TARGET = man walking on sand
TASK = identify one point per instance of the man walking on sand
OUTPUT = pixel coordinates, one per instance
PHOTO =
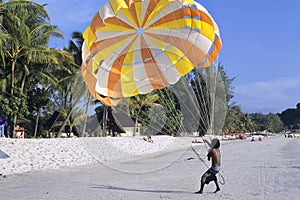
(215, 156)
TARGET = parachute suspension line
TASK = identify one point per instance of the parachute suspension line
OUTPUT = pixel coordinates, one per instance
(159, 112)
(142, 114)
(207, 95)
(196, 108)
(221, 179)
(202, 95)
(166, 103)
(215, 75)
(212, 99)
(153, 127)
(204, 112)
(199, 157)
(213, 87)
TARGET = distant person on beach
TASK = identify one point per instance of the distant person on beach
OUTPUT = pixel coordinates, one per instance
(148, 139)
(3, 123)
(214, 155)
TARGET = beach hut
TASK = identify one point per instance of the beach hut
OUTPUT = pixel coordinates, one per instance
(55, 123)
(118, 124)
(125, 123)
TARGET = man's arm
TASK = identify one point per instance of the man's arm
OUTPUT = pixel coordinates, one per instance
(209, 155)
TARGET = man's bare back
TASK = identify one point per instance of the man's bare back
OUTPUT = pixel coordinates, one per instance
(216, 157)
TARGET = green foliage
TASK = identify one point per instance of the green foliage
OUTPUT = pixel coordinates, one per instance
(166, 118)
(237, 121)
(15, 105)
(5, 105)
(210, 96)
(28, 63)
(291, 117)
(270, 122)
(37, 98)
(274, 124)
(138, 102)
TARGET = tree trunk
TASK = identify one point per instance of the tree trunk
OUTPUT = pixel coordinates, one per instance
(23, 83)
(37, 122)
(136, 122)
(15, 124)
(86, 111)
(13, 65)
(70, 130)
(55, 121)
(68, 116)
(135, 126)
(104, 121)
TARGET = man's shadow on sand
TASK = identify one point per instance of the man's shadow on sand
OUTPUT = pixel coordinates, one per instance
(3, 155)
(106, 187)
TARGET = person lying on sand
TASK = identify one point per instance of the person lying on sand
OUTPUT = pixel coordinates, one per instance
(214, 155)
(148, 139)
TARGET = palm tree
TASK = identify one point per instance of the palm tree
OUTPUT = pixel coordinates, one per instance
(14, 17)
(3, 35)
(71, 83)
(137, 103)
(248, 124)
(27, 25)
(75, 47)
(73, 87)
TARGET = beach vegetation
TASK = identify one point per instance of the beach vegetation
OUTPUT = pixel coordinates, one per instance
(27, 59)
(237, 121)
(291, 118)
(139, 103)
(164, 117)
(270, 122)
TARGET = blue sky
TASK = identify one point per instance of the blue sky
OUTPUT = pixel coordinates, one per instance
(261, 46)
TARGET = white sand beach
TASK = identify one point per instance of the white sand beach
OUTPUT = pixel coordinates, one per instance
(130, 168)
(25, 155)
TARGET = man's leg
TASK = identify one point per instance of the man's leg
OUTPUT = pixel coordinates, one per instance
(202, 181)
(217, 186)
(2, 130)
(201, 189)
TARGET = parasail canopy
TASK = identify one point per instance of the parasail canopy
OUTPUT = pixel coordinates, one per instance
(136, 46)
